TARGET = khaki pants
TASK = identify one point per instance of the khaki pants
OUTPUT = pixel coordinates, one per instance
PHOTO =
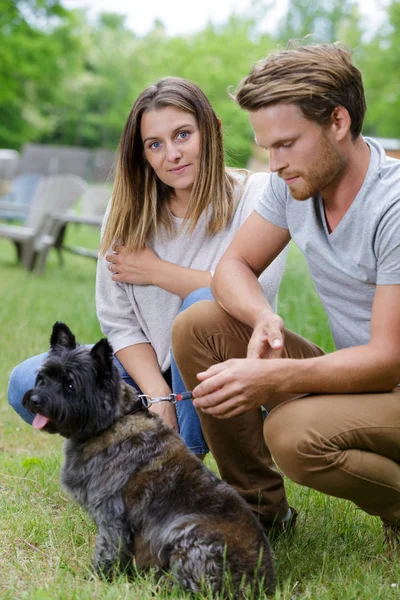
(343, 445)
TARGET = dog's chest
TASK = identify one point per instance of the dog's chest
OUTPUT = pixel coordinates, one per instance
(82, 476)
(76, 477)
(92, 474)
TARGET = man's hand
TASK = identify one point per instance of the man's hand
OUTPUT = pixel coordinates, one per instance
(167, 412)
(133, 267)
(233, 387)
(267, 339)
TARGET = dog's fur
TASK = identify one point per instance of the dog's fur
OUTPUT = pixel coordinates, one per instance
(138, 480)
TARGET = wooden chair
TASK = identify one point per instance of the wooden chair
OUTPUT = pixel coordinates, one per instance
(21, 195)
(54, 194)
(93, 205)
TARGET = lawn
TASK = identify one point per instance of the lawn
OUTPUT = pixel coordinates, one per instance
(46, 540)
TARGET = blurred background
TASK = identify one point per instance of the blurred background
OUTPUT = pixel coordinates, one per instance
(71, 69)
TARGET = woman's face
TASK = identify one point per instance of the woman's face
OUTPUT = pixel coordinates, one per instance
(171, 141)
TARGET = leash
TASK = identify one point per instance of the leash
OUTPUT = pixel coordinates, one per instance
(147, 401)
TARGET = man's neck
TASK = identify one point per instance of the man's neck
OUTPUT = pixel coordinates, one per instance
(340, 194)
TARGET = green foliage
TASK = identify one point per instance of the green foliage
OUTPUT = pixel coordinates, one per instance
(67, 80)
(380, 65)
(322, 20)
(47, 541)
(38, 46)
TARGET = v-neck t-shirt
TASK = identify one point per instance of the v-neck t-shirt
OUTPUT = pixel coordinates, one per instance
(363, 250)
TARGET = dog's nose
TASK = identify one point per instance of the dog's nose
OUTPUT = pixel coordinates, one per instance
(27, 398)
(35, 400)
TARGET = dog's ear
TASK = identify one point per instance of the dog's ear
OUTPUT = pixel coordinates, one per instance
(102, 353)
(62, 336)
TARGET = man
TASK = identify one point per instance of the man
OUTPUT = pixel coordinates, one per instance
(335, 420)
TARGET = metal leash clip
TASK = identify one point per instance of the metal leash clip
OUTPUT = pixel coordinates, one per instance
(172, 398)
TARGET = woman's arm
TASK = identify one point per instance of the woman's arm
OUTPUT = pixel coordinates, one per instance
(132, 348)
(140, 362)
(146, 268)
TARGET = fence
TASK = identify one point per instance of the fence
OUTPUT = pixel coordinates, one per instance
(95, 165)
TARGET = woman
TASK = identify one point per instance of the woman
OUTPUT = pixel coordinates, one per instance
(174, 210)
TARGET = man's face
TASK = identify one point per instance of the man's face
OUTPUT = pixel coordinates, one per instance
(302, 152)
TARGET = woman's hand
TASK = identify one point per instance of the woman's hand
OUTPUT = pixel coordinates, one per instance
(267, 339)
(146, 268)
(167, 412)
(138, 268)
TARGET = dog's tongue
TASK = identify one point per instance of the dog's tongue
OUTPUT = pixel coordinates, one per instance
(40, 421)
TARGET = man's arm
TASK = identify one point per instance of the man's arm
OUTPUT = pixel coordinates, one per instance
(238, 385)
(235, 285)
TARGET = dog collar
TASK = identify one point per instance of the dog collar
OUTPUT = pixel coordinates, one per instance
(147, 401)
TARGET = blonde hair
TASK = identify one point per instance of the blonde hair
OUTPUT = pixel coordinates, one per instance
(317, 78)
(140, 199)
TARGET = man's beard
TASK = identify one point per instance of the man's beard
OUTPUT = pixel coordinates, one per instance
(327, 165)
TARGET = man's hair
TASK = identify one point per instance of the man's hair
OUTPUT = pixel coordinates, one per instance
(317, 78)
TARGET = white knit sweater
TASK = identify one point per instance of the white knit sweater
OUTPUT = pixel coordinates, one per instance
(134, 314)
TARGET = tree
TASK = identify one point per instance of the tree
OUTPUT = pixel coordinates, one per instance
(38, 46)
(66, 80)
(380, 65)
(96, 99)
(321, 20)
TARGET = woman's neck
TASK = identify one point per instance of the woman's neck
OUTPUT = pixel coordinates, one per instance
(179, 202)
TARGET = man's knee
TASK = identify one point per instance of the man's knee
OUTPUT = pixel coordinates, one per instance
(191, 326)
(294, 442)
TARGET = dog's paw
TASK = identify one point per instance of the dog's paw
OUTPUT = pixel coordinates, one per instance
(104, 570)
(90, 574)
(164, 581)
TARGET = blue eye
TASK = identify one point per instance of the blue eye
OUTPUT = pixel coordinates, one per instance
(155, 145)
(183, 135)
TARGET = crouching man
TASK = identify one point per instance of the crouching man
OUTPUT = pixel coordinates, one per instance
(334, 420)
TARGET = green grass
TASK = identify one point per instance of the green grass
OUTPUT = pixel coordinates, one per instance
(46, 541)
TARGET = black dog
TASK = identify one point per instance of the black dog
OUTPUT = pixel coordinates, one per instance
(138, 480)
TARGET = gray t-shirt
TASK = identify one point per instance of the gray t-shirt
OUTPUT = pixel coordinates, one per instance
(363, 251)
(135, 314)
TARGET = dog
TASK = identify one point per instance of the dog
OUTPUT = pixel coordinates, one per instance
(140, 483)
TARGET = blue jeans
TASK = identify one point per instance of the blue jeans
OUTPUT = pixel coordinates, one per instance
(23, 378)
(188, 419)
